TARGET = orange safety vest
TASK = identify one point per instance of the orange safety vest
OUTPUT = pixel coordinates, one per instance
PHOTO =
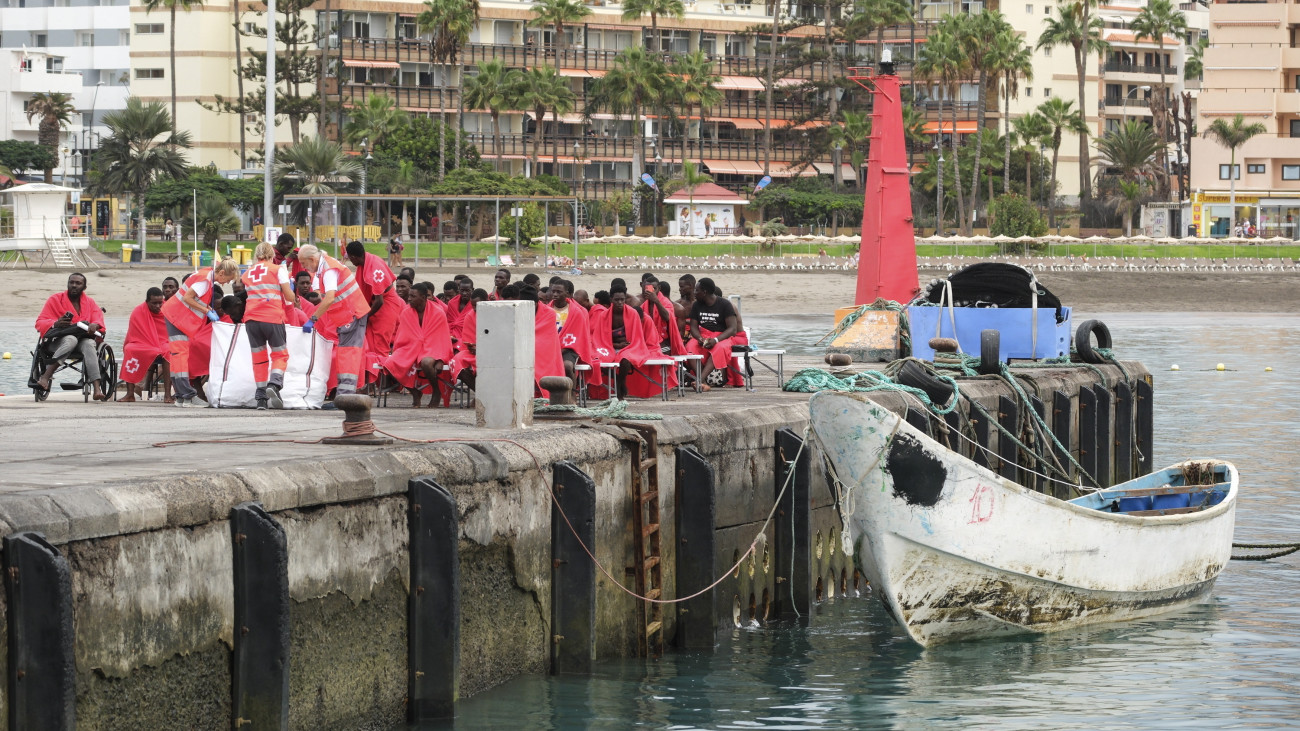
(349, 304)
(179, 312)
(265, 300)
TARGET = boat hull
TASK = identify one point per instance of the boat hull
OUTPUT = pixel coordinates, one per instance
(957, 552)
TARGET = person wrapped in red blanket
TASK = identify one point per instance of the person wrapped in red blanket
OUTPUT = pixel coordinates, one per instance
(713, 324)
(547, 357)
(459, 306)
(146, 344)
(422, 346)
(575, 333)
(72, 310)
(464, 364)
(617, 337)
(377, 284)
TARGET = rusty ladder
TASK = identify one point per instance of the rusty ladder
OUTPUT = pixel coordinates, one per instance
(646, 539)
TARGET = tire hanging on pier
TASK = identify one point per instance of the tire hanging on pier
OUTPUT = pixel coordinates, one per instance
(1083, 340)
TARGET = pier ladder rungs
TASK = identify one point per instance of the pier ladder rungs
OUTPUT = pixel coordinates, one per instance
(647, 570)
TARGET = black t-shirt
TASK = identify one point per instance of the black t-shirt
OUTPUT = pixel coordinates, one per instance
(713, 317)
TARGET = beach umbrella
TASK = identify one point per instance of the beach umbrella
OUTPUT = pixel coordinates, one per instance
(494, 240)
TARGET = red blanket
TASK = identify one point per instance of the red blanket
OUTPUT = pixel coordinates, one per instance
(375, 278)
(603, 339)
(59, 303)
(665, 330)
(146, 339)
(576, 336)
(547, 360)
(419, 338)
(465, 358)
(456, 316)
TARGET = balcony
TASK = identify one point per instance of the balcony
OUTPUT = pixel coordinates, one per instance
(1139, 68)
(410, 98)
(614, 149)
(1119, 102)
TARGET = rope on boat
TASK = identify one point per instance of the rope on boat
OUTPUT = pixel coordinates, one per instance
(810, 380)
(1285, 549)
(611, 409)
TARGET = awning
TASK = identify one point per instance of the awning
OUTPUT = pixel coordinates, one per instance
(564, 118)
(790, 82)
(963, 128)
(788, 170)
(810, 124)
(740, 83)
(721, 166)
(371, 64)
(583, 73)
(828, 168)
(741, 123)
(747, 168)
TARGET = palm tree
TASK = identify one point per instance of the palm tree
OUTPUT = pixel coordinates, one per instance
(1031, 129)
(450, 22)
(1061, 117)
(55, 111)
(692, 178)
(316, 166)
(172, 6)
(697, 86)
(406, 180)
(215, 219)
(914, 131)
(851, 134)
(1194, 64)
(636, 81)
(1076, 27)
(376, 119)
(1133, 148)
(493, 89)
(542, 89)
(979, 44)
(1232, 135)
(943, 58)
(1125, 199)
(559, 13)
(634, 9)
(1157, 20)
(1015, 61)
(141, 149)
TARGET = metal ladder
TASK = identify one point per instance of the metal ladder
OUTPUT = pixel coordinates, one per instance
(646, 539)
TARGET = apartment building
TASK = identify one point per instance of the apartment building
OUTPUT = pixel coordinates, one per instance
(1252, 68)
(89, 40)
(26, 73)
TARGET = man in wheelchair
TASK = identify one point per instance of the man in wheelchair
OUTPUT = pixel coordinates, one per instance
(71, 325)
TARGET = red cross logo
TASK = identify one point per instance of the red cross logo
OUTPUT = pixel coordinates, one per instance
(257, 271)
(568, 340)
(379, 276)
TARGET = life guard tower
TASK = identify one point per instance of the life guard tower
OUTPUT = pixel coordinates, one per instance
(38, 222)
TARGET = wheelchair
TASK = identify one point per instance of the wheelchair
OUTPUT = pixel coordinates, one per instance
(42, 357)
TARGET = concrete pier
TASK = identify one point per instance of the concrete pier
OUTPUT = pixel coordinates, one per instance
(147, 536)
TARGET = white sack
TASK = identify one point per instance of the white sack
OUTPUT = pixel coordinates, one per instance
(308, 373)
(231, 383)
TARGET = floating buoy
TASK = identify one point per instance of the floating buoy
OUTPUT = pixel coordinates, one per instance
(1173, 367)
(7, 356)
(1268, 369)
(1220, 367)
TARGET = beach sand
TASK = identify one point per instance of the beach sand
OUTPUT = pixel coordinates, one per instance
(118, 290)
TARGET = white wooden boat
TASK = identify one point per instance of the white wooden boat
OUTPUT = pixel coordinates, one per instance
(957, 552)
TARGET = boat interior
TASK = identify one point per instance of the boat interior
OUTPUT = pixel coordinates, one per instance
(1186, 488)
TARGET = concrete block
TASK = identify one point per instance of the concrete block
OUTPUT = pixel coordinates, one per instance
(505, 365)
(35, 511)
(488, 462)
(90, 514)
(139, 507)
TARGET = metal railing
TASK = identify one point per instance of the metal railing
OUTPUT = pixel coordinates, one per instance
(606, 149)
(1140, 68)
(407, 97)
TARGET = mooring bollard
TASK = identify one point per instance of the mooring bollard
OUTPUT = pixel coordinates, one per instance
(433, 607)
(793, 526)
(560, 388)
(42, 671)
(839, 360)
(357, 426)
(944, 345)
(260, 669)
(573, 574)
(696, 523)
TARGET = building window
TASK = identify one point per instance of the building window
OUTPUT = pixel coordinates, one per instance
(1047, 51)
(1029, 91)
(1291, 172)
(1236, 172)
(1047, 91)
(148, 73)
(39, 40)
(148, 29)
(1029, 10)
(86, 38)
(1255, 168)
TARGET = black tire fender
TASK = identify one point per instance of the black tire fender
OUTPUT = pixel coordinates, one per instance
(990, 348)
(918, 376)
(1083, 340)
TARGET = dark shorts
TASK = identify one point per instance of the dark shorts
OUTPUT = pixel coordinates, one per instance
(570, 356)
(263, 334)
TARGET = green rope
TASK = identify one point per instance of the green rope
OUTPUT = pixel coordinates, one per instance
(904, 326)
(611, 409)
(810, 380)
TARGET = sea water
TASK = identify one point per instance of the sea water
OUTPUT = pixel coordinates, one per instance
(1230, 662)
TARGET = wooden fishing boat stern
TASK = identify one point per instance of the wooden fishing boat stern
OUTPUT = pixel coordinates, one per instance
(957, 552)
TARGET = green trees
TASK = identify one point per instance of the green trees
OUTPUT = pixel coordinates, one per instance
(695, 86)
(1030, 130)
(638, 80)
(422, 141)
(634, 9)
(491, 89)
(1061, 117)
(559, 13)
(1133, 149)
(542, 89)
(215, 219)
(172, 6)
(18, 157)
(1159, 19)
(54, 109)
(141, 149)
(450, 22)
(944, 59)
(376, 120)
(1013, 215)
(851, 135)
(1013, 61)
(980, 36)
(1232, 135)
(315, 166)
(1076, 27)
(1125, 198)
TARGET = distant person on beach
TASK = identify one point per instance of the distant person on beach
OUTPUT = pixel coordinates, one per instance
(145, 345)
(395, 249)
(71, 322)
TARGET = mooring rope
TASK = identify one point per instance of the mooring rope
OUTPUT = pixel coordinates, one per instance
(811, 380)
(1286, 550)
(881, 304)
(612, 409)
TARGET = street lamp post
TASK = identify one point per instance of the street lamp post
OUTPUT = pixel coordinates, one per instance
(365, 164)
(938, 195)
(1123, 110)
(658, 203)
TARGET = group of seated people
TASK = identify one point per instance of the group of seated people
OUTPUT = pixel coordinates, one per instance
(393, 333)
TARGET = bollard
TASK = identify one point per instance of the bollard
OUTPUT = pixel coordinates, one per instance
(260, 664)
(42, 671)
(506, 332)
(560, 388)
(433, 607)
(944, 345)
(793, 526)
(1123, 432)
(1103, 441)
(696, 523)
(357, 427)
(573, 574)
(839, 360)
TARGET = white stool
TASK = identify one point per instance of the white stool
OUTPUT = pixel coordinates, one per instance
(780, 363)
(580, 373)
(697, 361)
(611, 380)
(664, 364)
